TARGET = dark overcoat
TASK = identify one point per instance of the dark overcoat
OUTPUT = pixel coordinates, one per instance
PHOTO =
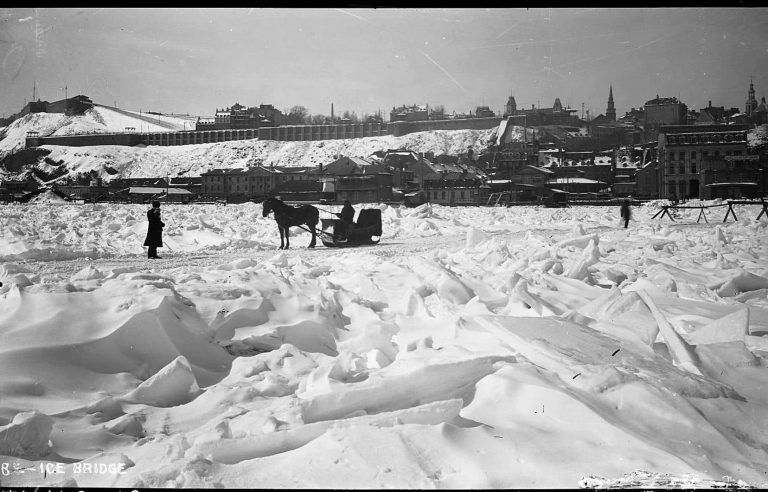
(155, 229)
(626, 213)
(347, 214)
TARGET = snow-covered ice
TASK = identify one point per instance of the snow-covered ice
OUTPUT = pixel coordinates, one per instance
(472, 348)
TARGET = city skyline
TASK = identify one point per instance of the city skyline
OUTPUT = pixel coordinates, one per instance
(364, 60)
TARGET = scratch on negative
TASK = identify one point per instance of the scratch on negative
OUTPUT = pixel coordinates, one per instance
(444, 71)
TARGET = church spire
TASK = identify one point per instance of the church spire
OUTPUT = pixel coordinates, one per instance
(610, 111)
(751, 105)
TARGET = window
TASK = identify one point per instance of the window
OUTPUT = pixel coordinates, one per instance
(681, 156)
(693, 167)
(693, 154)
(681, 168)
(443, 197)
(671, 156)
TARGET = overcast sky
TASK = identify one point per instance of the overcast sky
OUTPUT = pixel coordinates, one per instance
(196, 60)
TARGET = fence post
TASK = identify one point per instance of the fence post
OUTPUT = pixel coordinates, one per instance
(702, 214)
(764, 210)
(730, 211)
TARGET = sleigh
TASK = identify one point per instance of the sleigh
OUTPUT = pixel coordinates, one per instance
(367, 230)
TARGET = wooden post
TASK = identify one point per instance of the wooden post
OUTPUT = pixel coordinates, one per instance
(702, 214)
(764, 210)
(664, 211)
(730, 211)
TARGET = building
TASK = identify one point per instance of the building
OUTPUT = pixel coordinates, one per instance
(239, 117)
(663, 111)
(121, 183)
(511, 107)
(484, 112)
(364, 188)
(92, 192)
(647, 181)
(409, 113)
(687, 152)
(70, 107)
(240, 184)
(455, 189)
(734, 176)
(610, 110)
(147, 194)
(15, 190)
(357, 180)
(751, 106)
(556, 115)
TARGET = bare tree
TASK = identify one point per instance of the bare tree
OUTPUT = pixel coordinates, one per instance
(297, 115)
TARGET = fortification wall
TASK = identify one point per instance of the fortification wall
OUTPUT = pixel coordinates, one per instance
(128, 139)
(400, 128)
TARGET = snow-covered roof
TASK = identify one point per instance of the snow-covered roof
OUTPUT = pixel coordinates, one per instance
(151, 190)
(575, 180)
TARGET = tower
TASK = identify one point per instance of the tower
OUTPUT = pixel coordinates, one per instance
(610, 111)
(751, 101)
(511, 106)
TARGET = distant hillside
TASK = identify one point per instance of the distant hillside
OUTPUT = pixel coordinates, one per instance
(191, 160)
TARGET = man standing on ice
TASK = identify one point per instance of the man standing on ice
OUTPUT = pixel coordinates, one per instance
(626, 213)
(154, 238)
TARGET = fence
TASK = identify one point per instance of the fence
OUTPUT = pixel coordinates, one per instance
(665, 209)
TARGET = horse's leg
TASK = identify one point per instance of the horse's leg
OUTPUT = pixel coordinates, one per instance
(312, 224)
(314, 235)
(286, 237)
(280, 228)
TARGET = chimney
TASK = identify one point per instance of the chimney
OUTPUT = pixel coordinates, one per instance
(321, 168)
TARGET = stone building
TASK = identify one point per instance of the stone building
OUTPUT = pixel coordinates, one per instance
(409, 113)
(240, 184)
(663, 111)
(687, 152)
(238, 117)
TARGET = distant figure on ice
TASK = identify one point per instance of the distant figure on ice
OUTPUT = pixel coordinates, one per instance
(347, 216)
(154, 238)
(626, 213)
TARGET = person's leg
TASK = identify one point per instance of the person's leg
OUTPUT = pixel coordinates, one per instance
(152, 252)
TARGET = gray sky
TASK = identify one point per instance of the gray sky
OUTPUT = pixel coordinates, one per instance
(195, 60)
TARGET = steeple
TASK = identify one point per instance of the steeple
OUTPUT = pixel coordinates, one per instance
(610, 111)
(751, 105)
(511, 108)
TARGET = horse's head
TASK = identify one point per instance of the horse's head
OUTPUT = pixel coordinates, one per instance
(266, 207)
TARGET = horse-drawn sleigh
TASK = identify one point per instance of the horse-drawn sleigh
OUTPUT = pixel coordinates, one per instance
(367, 229)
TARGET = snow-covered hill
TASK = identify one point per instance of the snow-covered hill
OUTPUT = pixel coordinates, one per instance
(191, 160)
(98, 119)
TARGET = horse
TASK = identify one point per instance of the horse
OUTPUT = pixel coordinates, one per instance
(288, 216)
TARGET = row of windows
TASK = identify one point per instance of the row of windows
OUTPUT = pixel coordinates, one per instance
(680, 168)
(442, 194)
(704, 153)
(254, 179)
(706, 138)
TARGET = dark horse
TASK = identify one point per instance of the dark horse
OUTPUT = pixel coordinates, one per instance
(287, 216)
